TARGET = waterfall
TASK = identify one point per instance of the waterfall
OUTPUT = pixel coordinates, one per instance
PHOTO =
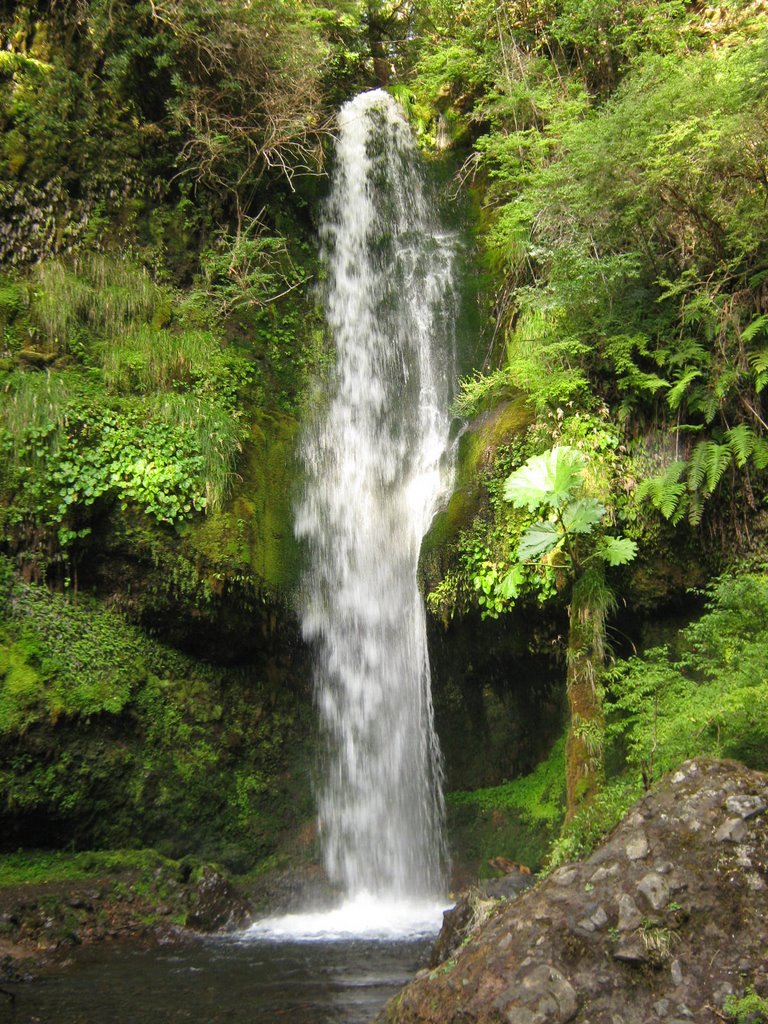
(376, 464)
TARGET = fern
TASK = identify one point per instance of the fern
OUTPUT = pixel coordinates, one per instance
(758, 326)
(718, 460)
(742, 441)
(708, 463)
(697, 467)
(760, 454)
(759, 362)
(665, 491)
(677, 392)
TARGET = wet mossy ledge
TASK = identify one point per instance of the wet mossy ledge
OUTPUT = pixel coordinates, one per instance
(478, 446)
(220, 586)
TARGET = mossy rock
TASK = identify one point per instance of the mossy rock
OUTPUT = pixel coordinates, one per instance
(253, 534)
(477, 450)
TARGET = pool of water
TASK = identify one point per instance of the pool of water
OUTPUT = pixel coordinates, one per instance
(223, 981)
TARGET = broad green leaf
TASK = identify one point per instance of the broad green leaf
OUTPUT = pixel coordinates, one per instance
(617, 550)
(580, 516)
(545, 480)
(538, 540)
(509, 585)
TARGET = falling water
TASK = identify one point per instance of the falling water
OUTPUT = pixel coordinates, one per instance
(376, 464)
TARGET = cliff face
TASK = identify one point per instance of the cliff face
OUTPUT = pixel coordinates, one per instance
(666, 921)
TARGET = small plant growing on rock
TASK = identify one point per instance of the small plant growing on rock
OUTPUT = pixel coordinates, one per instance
(747, 1009)
(658, 941)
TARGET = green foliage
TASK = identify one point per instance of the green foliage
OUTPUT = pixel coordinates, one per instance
(686, 485)
(517, 819)
(707, 699)
(118, 740)
(247, 270)
(545, 481)
(552, 481)
(62, 659)
(538, 796)
(592, 823)
(749, 1008)
(486, 569)
(618, 160)
(96, 292)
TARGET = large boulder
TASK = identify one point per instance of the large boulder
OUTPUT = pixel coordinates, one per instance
(666, 919)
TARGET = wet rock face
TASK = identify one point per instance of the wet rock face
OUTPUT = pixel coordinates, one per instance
(665, 920)
(217, 906)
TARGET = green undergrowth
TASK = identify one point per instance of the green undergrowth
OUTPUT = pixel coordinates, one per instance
(750, 1008)
(591, 824)
(34, 867)
(123, 396)
(517, 820)
(707, 695)
(703, 695)
(111, 739)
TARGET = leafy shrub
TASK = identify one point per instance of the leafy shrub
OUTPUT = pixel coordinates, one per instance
(591, 823)
(712, 698)
(747, 1009)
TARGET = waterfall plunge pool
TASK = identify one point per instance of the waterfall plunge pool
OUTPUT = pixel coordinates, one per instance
(239, 979)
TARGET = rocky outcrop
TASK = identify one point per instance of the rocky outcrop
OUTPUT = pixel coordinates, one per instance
(666, 919)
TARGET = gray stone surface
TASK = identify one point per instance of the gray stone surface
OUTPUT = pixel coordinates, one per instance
(637, 847)
(654, 888)
(629, 914)
(619, 939)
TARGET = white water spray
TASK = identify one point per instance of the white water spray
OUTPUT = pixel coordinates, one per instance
(376, 465)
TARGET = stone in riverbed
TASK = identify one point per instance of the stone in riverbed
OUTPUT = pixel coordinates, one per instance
(217, 905)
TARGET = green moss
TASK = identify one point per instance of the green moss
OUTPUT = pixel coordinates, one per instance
(31, 867)
(21, 689)
(253, 534)
(111, 739)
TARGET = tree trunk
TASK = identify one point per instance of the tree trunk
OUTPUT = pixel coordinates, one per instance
(585, 742)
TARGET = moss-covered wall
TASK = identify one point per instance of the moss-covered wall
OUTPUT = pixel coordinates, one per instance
(111, 739)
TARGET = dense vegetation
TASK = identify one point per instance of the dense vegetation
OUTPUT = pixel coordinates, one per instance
(161, 168)
(618, 157)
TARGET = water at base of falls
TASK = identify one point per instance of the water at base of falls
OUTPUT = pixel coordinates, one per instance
(223, 979)
(376, 465)
(362, 917)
